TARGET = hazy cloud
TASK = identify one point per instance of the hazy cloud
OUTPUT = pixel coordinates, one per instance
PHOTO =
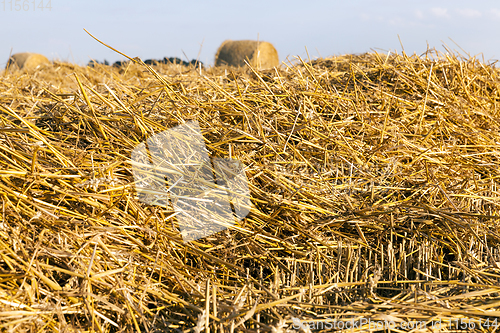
(419, 14)
(469, 13)
(364, 16)
(495, 12)
(398, 21)
(440, 12)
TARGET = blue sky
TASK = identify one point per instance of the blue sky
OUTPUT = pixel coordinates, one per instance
(155, 29)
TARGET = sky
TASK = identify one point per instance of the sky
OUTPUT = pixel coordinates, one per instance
(193, 29)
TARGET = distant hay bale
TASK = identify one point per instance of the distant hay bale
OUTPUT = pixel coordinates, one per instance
(261, 55)
(26, 60)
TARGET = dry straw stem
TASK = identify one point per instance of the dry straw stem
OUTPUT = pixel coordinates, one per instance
(374, 182)
(26, 61)
(236, 53)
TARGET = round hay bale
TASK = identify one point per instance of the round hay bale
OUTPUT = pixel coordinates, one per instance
(261, 55)
(26, 60)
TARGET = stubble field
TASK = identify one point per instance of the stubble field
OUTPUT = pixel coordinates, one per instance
(373, 180)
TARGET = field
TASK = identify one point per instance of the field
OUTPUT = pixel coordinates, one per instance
(374, 181)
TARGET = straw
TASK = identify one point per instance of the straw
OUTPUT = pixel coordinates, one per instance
(373, 180)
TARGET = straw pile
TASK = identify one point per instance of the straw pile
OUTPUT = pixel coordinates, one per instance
(260, 55)
(374, 181)
(26, 60)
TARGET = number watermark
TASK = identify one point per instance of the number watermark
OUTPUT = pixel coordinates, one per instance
(25, 5)
(466, 324)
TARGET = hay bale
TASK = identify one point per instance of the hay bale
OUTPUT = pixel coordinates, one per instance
(26, 60)
(261, 55)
